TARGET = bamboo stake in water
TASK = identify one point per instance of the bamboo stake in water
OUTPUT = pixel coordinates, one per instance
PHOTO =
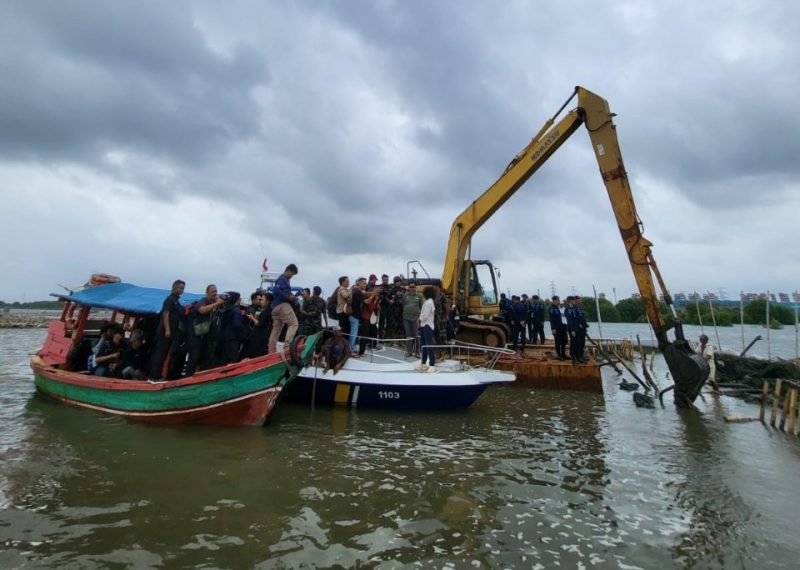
(775, 398)
(796, 328)
(714, 320)
(769, 346)
(764, 394)
(792, 411)
(786, 404)
(699, 318)
(599, 318)
(644, 365)
(741, 315)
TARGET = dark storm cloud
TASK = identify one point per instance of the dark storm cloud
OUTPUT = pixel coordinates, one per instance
(342, 130)
(92, 77)
(437, 60)
(708, 121)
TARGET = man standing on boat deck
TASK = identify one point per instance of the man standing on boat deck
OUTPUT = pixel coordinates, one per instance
(412, 305)
(344, 307)
(200, 347)
(282, 312)
(558, 326)
(169, 321)
(312, 311)
(536, 322)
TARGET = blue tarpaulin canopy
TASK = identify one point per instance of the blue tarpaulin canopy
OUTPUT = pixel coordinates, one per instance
(126, 297)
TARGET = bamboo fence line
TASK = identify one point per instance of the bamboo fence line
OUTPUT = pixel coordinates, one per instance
(789, 421)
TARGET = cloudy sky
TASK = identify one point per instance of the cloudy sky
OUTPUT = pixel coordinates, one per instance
(163, 140)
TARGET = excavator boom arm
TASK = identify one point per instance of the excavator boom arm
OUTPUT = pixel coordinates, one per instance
(528, 161)
(603, 134)
(593, 111)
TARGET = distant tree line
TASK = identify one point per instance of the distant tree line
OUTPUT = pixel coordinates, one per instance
(632, 311)
(755, 313)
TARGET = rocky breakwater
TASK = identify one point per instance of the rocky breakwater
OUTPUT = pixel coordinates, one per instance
(18, 321)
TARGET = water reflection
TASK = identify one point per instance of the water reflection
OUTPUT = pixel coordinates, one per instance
(522, 479)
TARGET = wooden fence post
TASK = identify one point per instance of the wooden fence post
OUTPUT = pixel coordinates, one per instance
(776, 397)
(792, 411)
(785, 409)
(764, 394)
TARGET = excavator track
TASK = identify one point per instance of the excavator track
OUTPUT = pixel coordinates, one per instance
(487, 333)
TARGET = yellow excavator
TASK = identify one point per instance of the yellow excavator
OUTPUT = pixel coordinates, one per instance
(472, 286)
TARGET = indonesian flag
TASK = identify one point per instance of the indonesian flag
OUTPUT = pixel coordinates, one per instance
(264, 265)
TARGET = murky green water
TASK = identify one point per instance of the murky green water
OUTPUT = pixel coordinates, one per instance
(523, 479)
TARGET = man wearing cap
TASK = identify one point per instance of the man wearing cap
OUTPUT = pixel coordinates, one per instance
(282, 311)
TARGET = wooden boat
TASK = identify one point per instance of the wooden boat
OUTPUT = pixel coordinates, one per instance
(241, 393)
(387, 380)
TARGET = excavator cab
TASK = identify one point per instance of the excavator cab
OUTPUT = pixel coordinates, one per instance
(478, 285)
(477, 300)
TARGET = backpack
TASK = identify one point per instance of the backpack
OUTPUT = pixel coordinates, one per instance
(331, 304)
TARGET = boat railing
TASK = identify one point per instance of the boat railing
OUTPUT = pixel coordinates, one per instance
(463, 352)
(414, 346)
(491, 353)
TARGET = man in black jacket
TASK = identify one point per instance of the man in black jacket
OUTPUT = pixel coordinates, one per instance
(168, 333)
(558, 326)
(519, 316)
(536, 320)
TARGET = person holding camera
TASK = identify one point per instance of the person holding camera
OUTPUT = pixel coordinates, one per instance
(200, 349)
(258, 318)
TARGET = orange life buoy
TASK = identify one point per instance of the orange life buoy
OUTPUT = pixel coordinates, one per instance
(102, 279)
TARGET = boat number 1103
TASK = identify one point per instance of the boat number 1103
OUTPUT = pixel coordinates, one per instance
(389, 395)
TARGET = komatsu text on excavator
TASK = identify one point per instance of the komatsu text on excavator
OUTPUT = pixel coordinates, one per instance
(471, 283)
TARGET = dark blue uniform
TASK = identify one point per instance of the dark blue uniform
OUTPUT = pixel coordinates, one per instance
(231, 334)
(559, 331)
(505, 308)
(536, 321)
(576, 326)
(519, 314)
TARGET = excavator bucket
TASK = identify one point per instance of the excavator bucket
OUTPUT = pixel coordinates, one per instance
(689, 371)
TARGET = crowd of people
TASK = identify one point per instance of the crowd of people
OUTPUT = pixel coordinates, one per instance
(215, 330)
(368, 312)
(218, 329)
(526, 316)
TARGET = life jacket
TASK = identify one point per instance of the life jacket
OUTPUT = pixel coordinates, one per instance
(330, 304)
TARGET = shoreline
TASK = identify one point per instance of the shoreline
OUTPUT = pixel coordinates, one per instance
(15, 321)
